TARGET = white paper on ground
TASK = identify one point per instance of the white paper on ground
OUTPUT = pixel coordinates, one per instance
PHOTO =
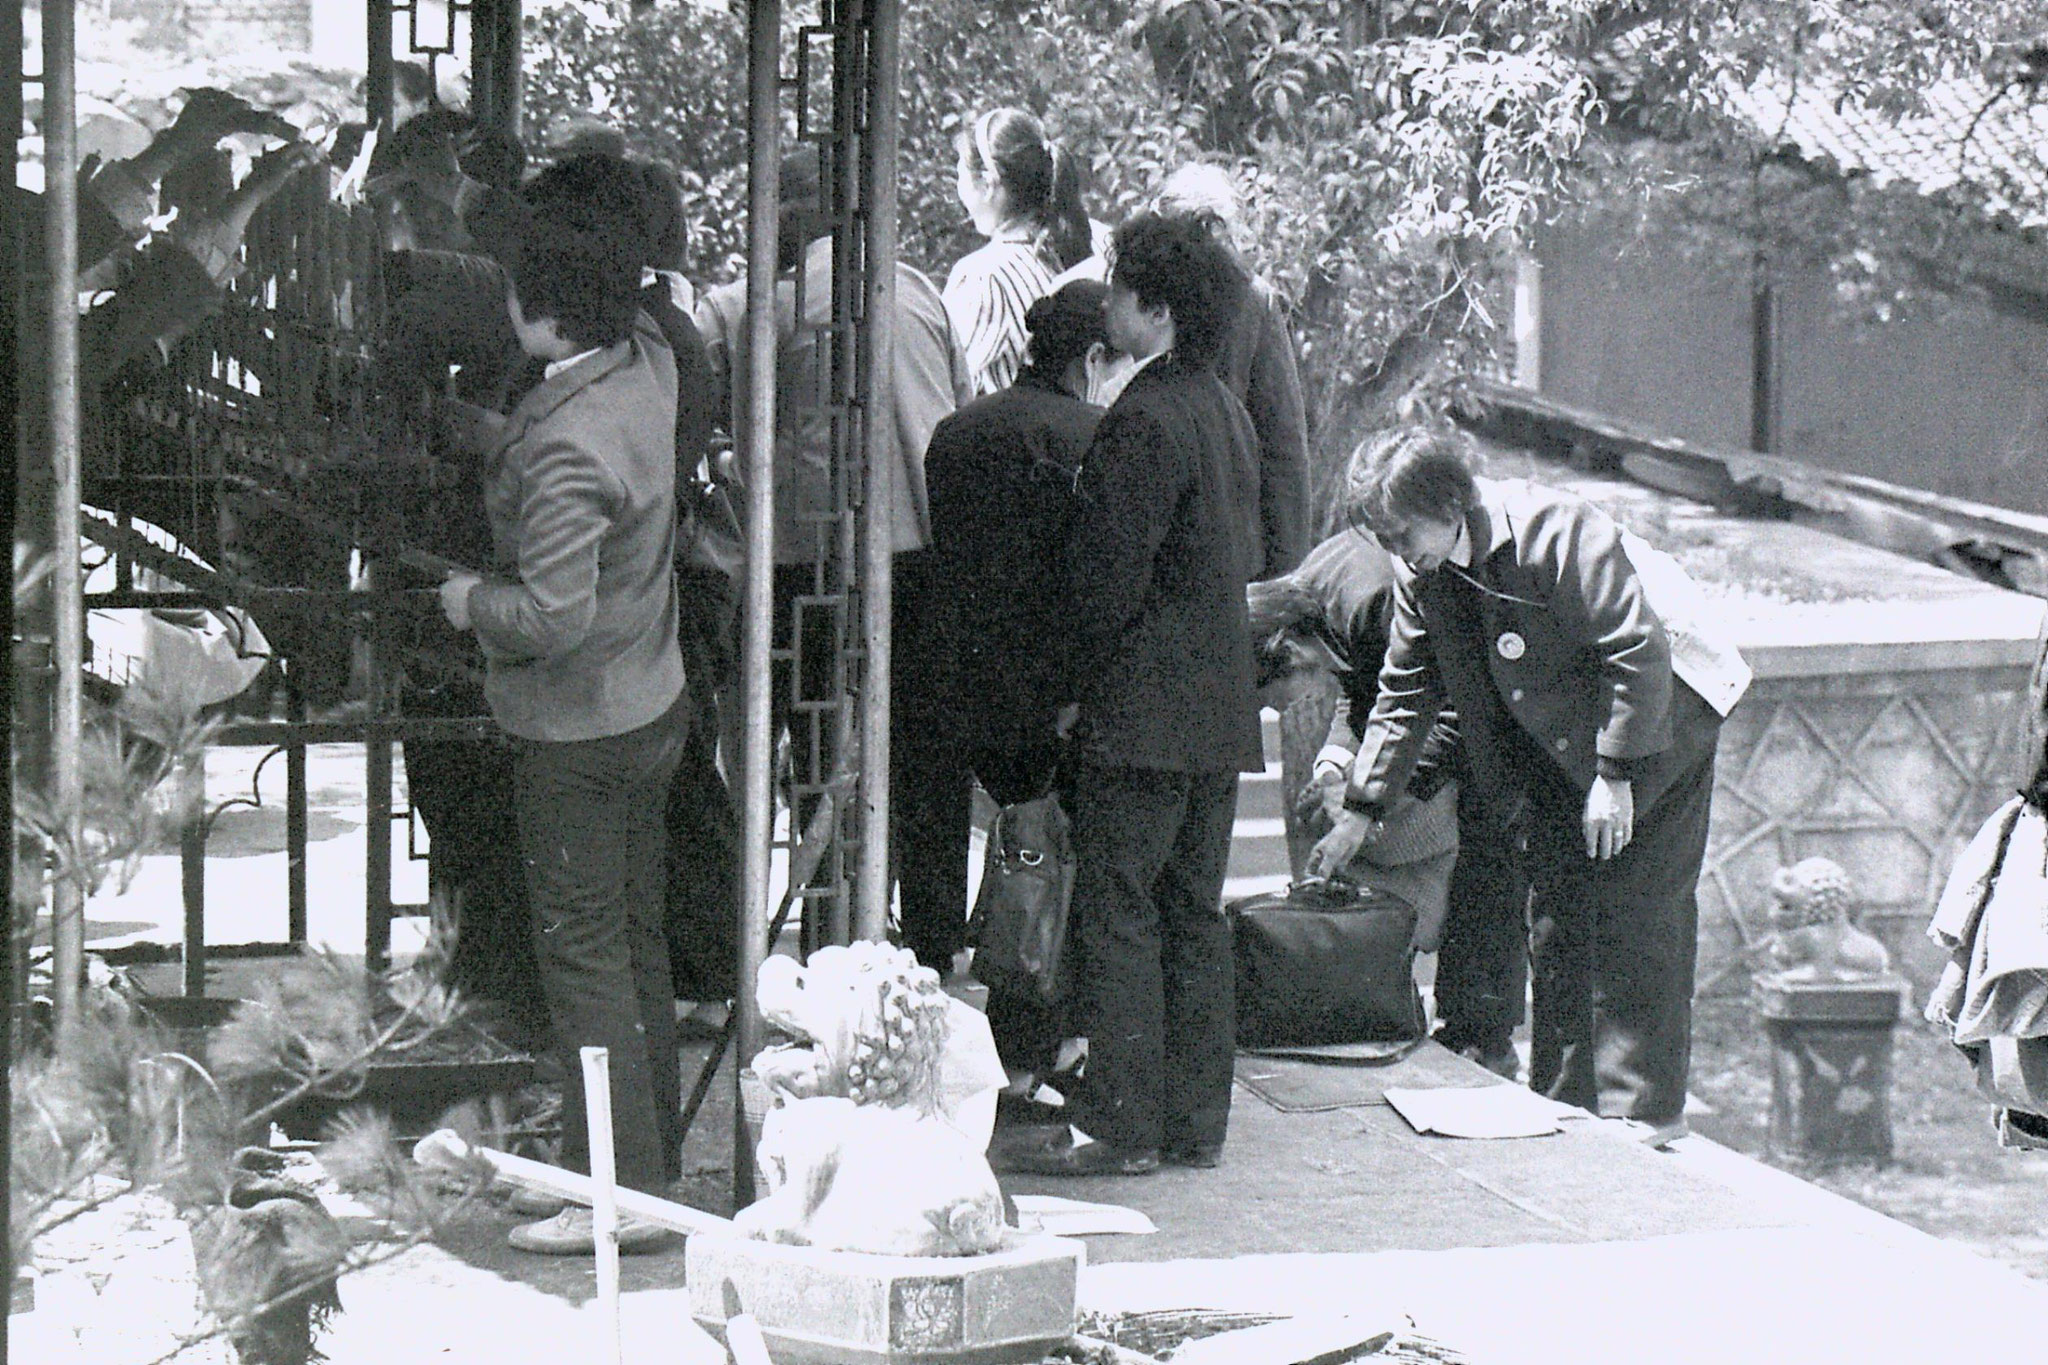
(1484, 1111)
(1078, 1218)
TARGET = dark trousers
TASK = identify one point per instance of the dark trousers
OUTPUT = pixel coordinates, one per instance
(702, 904)
(1157, 993)
(931, 816)
(591, 834)
(1482, 966)
(463, 793)
(701, 908)
(931, 779)
(1612, 945)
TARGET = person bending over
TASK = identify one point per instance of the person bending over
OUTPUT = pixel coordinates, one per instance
(1519, 606)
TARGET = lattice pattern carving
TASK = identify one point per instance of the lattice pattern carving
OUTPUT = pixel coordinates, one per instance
(1888, 774)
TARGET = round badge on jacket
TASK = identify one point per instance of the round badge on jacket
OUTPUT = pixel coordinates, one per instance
(1511, 646)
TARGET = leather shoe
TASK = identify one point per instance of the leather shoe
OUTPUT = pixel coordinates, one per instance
(1090, 1158)
(1201, 1156)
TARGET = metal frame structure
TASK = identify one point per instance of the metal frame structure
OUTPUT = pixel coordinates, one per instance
(856, 137)
(308, 271)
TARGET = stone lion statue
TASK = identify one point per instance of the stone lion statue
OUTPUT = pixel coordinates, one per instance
(882, 1100)
(1814, 934)
(866, 1023)
(877, 1178)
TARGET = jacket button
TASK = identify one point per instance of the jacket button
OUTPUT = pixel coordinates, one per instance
(1516, 695)
(1563, 744)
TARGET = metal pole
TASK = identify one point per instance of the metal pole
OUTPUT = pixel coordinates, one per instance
(296, 801)
(60, 201)
(494, 68)
(604, 1208)
(192, 872)
(878, 346)
(757, 447)
(377, 772)
(377, 63)
(11, 274)
(844, 197)
(1763, 355)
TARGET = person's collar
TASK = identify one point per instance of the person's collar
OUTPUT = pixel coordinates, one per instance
(1487, 522)
(555, 367)
(1016, 230)
(1461, 548)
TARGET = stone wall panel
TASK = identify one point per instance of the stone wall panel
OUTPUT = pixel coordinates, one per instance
(1889, 774)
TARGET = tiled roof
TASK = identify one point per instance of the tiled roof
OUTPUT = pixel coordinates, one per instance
(2005, 156)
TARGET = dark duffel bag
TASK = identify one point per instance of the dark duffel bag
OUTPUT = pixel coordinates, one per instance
(1325, 962)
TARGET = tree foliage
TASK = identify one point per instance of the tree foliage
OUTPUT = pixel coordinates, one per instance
(1396, 153)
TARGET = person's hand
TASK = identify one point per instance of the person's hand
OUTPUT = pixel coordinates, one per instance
(210, 115)
(1610, 817)
(215, 237)
(1328, 784)
(455, 598)
(1335, 850)
(1069, 716)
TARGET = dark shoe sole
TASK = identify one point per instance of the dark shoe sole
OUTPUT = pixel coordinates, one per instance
(1195, 1158)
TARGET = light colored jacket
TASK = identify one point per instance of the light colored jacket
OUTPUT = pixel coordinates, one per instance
(930, 379)
(578, 620)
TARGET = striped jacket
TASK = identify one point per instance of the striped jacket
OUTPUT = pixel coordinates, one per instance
(987, 295)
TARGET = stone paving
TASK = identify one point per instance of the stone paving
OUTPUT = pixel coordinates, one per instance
(1575, 1247)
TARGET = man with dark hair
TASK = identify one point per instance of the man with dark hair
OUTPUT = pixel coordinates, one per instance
(1159, 659)
(578, 628)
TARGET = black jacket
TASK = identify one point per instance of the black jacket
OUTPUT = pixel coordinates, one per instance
(1258, 366)
(1566, 646)
(1165, 537)
(1000, 476)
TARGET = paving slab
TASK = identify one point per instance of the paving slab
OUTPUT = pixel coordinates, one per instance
(1577, 1246)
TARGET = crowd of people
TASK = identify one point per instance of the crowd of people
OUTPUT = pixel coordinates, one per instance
(1099, 450)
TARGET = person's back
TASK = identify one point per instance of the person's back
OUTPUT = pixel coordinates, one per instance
(929, 381)
(987, 293)
(593, 449)
(1168, 683)
(1257, 363)
(1001, 477)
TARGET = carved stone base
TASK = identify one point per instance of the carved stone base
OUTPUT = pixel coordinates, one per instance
(842, 1308)
(1831, 1065)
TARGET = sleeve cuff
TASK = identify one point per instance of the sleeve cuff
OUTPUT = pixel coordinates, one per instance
(1332, 755)
(126, 196)
(1620, 769)
(206, 244)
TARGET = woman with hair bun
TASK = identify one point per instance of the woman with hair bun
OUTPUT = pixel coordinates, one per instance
(1023, 192)
(976, 692)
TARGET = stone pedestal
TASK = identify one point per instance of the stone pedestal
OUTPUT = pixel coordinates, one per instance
(847, 1308)
(1831, 1064)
